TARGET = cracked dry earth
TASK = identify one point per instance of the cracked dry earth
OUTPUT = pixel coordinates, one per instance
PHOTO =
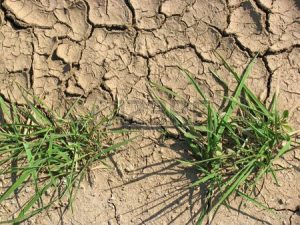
(106, 50)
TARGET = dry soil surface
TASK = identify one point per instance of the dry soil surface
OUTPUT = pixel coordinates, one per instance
(107, 50)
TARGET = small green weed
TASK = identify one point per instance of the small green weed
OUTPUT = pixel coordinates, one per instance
(234, 149)
(53, 153)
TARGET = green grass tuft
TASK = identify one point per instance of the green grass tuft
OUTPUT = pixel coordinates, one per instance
(49, 152)
(233, 149)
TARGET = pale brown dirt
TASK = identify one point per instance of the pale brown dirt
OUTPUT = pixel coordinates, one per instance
(106, 50)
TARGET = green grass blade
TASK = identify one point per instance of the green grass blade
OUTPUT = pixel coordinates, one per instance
(232, 104)
(18, 183)
(195, 84)
(240, 180)
(203, 180)
(255, 202)
(253, 98)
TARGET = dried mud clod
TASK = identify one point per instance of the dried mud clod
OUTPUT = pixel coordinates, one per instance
(108, 50)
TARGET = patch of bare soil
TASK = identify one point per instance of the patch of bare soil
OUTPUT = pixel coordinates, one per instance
(108, 50)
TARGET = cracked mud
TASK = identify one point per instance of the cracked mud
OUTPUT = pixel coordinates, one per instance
(107, 50)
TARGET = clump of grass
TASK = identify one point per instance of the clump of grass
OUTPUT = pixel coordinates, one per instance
(51, 153)
(233, 149)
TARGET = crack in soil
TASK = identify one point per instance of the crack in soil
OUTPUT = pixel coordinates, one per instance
(267, 11)
(8, 16)
(132, 10)
(269, 80)
(111, 202)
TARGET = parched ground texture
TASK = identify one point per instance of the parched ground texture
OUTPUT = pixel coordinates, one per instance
(107, 50)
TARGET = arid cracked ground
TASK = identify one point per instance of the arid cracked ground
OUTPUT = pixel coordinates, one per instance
(107, 50)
